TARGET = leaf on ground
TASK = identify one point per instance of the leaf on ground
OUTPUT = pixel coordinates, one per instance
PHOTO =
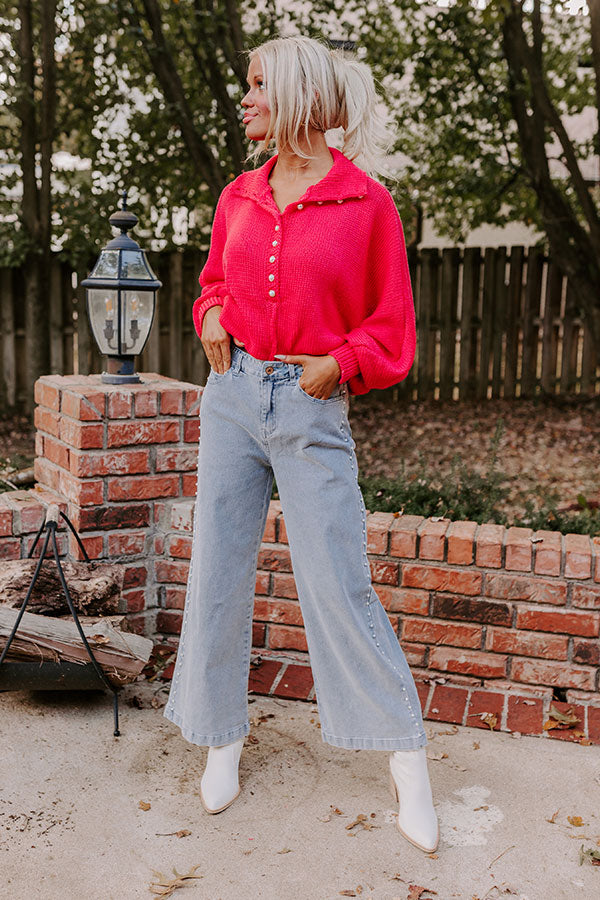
(559, 719)
(439, 754)
(590, 855)
(490, 719)
(576, 821)
(476, 745)
(348, 893)
(416, 891)
(285, 850)
(261, 717)
(361, 819)
(552, 818)
(164, 888)
(453, 730)
(144, 805)
(183, 833)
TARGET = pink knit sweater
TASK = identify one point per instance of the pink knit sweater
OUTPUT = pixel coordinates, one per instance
(329, 275)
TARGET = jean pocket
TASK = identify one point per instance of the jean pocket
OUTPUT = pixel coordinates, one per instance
(216, 376)
(337, 394)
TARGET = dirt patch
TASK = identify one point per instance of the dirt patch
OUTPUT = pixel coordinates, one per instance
(547, 446)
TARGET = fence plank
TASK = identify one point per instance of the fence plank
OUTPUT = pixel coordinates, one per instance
(513, 315)
(589, 363)
(448, 306)
(569, 345)
(175, 315)
(530, 322)
(468, 324)
(550, 336)
(56, 321)
(499, 319)
(487, 318)
(426, 313)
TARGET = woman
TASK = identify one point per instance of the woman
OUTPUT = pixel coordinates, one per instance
(307, 274)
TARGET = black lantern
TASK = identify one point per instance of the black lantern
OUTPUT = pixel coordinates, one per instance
(121, 299)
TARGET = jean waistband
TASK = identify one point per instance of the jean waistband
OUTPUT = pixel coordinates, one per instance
(274, 370)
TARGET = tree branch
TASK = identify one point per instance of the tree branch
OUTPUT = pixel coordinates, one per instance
(47, 116)
(534, 64)
(26, 112)
(594, 9)
(167, 75)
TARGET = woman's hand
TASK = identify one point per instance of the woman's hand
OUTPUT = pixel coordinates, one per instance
(320, 373)
(216, 341)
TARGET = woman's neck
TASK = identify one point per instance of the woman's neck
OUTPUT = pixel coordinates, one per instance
(291, 166)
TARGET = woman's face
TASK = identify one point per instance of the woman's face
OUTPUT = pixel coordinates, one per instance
(256, 110)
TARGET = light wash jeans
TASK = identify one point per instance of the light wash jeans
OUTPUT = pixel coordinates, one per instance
(256, 421)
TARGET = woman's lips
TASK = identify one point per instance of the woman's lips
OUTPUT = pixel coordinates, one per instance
(247, 118)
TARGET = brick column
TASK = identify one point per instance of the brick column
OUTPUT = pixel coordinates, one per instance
(115, 453)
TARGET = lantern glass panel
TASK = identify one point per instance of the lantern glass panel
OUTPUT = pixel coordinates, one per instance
(137, 308)
(107, 265)
(133, 265)
(103, 313)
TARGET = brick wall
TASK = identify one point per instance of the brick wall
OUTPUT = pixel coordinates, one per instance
(497, 624)
(109, 455)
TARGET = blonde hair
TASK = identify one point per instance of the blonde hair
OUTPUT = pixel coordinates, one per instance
(309, 84)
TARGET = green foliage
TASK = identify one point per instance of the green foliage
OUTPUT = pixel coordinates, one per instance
(465, 159)
(463, 494)
(467, 495)
(547, 517)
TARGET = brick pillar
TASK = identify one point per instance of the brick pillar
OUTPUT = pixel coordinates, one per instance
(117, 454)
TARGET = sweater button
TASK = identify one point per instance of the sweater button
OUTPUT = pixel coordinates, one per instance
(277, 228)
(320, 202)
(271, 278)
(340, 201)
(271, 259)
(275, 243)
(300, 206)
(271, 293)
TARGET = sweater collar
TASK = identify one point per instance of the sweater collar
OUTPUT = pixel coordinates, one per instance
(344, 179)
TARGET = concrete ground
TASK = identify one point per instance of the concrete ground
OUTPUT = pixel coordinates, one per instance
(71, 824)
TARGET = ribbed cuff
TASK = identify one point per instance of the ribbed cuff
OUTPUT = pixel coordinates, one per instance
(348, 361)
(202, 306)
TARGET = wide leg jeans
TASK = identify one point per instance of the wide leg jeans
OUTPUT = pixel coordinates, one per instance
(256, 422)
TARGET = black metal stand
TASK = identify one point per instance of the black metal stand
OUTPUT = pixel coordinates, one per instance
(52, 675)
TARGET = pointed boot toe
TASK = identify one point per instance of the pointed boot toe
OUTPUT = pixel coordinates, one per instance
(409, 783)
(220, 786)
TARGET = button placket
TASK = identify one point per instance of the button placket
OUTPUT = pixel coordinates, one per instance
(273, 261)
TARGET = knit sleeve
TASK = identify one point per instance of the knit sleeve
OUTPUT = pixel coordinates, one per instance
(212, 277)
(380, 351)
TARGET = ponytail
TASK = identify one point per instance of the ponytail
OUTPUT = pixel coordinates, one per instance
(369, 132)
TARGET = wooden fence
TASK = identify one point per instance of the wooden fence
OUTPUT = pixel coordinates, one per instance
(491, 323)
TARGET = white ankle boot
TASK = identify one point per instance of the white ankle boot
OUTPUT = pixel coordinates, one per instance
(409, 782)
(220, 785)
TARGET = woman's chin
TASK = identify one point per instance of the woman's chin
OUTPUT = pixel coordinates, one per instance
(254, 135)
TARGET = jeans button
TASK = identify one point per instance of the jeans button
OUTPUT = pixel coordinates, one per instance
(269, 369)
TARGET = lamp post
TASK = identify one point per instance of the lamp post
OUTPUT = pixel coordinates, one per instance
(121, 300)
